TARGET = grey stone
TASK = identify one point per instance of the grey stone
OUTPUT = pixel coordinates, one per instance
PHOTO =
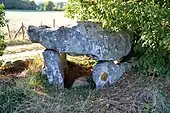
(43, 71)
(83, 39)
(107, 73)
(53, 67)
(82, 81)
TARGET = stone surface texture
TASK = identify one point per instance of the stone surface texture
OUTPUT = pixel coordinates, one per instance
(113, 71)
(53, 67)
(83, 39)
(82, 81)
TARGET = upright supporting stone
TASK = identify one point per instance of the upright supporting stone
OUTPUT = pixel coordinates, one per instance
(107, 73)
(54, 68)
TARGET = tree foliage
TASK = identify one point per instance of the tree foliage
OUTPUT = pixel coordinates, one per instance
(31, 5)
(60, 6)
(19, 4)
(2, 24)
(148, 21)
(48, 6)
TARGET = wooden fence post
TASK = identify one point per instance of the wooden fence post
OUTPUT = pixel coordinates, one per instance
(9, 33)
(17, 32)
(23, 32)
(53, 22)
(41, 23)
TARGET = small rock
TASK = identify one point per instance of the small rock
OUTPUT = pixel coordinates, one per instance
(43, 71)
(82, 81)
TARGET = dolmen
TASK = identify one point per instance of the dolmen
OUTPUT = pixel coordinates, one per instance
(85, 38)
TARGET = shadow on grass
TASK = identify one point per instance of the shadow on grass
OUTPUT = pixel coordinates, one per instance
(12, 95)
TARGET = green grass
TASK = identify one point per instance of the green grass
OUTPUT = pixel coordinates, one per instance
(18, 46)
(23, 49)
(12, 94)
(17, 42)
(131, 94)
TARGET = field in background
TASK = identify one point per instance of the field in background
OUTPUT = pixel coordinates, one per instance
(35, 18)
(16, 18)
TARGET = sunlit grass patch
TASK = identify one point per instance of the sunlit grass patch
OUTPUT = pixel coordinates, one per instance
(19, 50)
(36, 65)
(17, 42)
(85, 61)
(22, 48)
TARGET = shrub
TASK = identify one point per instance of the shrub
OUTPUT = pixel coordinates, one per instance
(58, 9)
(148, 21)
(2, 24)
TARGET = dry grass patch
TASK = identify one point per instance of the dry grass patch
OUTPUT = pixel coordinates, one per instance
(132, 94)
(18, 48)
(36, 65)
(17, 42)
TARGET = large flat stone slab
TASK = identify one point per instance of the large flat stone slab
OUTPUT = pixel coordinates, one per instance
(83, 39)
